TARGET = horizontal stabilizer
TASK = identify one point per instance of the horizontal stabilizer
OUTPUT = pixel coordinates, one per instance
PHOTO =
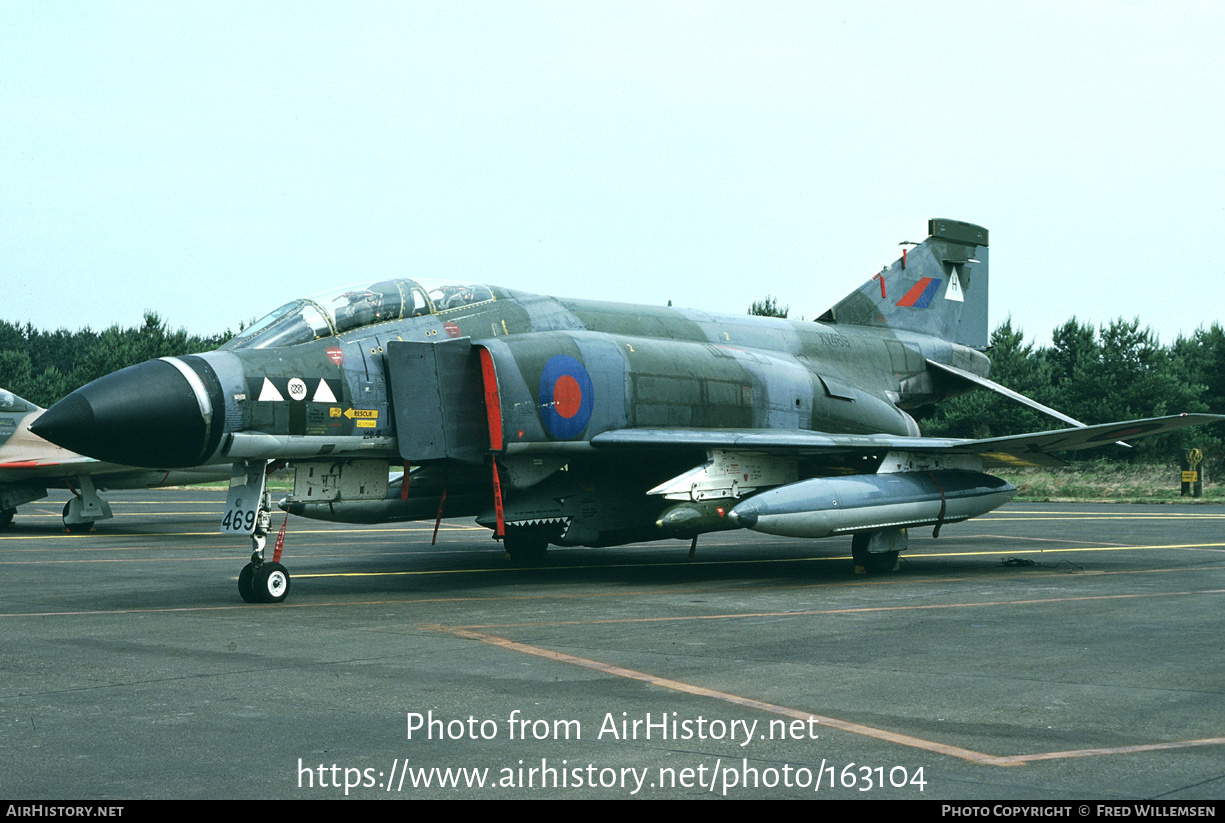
(979, 381)
(984, 383)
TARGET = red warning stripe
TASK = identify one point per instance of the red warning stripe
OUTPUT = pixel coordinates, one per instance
(493, 411)
(280, 540)
(493, 407)
(499, 511)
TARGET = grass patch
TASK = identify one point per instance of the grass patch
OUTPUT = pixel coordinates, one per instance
(1107, 481)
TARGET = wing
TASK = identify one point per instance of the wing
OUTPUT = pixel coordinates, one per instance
(1015, 450)
(53, 467)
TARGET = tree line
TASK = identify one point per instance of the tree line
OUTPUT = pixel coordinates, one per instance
(43, 366)
(1118, 371)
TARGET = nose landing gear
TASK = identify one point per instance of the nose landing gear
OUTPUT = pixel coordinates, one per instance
(260, 581)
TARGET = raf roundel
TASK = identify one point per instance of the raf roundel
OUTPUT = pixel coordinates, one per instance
(566, 397)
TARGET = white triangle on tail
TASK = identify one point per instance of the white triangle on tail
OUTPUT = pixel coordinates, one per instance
(954, 292)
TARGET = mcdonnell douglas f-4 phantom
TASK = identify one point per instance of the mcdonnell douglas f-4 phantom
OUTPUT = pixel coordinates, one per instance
(581, 423)
(30, 465)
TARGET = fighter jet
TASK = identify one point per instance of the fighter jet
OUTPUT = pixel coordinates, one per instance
(579, 423)
(29, 466)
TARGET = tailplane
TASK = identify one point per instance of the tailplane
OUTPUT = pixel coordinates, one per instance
(939, 288)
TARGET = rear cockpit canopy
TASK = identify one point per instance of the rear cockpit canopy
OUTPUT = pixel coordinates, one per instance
(340, 310)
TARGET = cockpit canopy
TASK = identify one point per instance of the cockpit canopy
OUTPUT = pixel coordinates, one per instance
(340, 310)
(10, 402)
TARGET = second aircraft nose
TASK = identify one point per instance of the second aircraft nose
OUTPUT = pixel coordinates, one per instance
(162, 414)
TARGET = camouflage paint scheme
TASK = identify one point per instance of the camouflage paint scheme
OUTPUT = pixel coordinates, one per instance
(577, 422)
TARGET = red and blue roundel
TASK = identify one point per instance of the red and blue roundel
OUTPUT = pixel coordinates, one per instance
(566, 397)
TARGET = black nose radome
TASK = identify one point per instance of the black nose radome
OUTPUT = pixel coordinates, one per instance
(161, 414)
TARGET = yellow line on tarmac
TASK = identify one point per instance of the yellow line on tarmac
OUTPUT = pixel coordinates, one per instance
(44, 502)
(108, 535)
(1082, 518)
(825, 720)
(47, 515)
(554, 568)
(346, 604)
(1069, 549)
(736, 700)
(1019, 759)
(585, 567)
(1020, 514)
(822, 559)
(89, 536)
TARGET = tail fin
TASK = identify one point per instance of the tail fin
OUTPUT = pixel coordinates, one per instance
(938, 288)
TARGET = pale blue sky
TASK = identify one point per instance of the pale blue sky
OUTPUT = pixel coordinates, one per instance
(213, 160)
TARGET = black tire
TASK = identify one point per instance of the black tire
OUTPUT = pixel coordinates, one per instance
(881, 562)
(246, 584)
(859, 551)
(526, 545)
(871, 562)
(76, 528)
(6, 517)
(271, 583)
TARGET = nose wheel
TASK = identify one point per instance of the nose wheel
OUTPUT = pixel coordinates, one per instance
(259, 581)
(265, 583)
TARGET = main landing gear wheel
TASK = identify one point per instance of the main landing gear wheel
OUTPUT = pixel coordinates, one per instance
(76, 528)
(867, 562)
(526, 545)
(6, 517)
(266, 583)
(880, 562)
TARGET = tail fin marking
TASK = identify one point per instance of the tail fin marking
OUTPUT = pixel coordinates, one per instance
(937, 288)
